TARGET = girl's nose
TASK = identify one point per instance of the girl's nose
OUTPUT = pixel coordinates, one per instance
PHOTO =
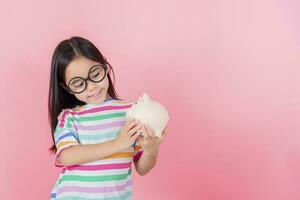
(90, 86)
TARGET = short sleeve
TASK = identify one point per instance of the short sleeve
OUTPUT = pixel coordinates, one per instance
(138, 151)
(65, 134)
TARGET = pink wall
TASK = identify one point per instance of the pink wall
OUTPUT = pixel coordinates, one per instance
(228, 71)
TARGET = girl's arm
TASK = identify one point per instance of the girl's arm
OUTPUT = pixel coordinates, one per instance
(150, 145)
(79, 154)
(145, 163)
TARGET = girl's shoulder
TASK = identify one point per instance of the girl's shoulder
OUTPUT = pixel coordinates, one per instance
(71, 111)
(77, 109)
(66, 112)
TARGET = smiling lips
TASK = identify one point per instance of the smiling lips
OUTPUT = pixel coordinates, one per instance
(94, 95)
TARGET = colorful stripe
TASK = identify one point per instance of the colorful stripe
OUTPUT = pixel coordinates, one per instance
(95, 189)
(99, 167)
(125, 196)
(101, 126)
(116, 177)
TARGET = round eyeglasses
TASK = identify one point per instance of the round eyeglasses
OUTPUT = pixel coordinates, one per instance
(96, 74)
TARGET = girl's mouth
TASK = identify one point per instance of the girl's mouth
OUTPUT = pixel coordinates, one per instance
(96, 95)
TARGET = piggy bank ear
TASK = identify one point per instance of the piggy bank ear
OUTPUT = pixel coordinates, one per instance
(145, 98)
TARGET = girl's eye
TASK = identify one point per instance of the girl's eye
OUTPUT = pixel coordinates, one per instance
(80, 85)
(96, 75)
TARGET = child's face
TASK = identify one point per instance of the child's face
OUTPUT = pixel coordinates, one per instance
(94, 92)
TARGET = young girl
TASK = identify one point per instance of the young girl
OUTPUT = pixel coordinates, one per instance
(92, 140)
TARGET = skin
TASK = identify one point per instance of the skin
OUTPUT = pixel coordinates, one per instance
(79, 154)
(80, 67)
(150, 144)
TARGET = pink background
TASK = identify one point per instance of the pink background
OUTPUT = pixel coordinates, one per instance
(228, 72)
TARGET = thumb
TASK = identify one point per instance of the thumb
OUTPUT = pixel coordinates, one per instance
(140, 139)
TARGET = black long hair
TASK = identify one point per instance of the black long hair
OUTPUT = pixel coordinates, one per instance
(59, 98)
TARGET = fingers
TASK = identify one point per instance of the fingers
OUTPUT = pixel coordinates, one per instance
(135, 136)
(148, 133)
(134, 126)
(165, 128)
(134, 130)
(149, 130)
(164, 132)
(163, 135)
(145, 132)
(140, 139)
(130, 124)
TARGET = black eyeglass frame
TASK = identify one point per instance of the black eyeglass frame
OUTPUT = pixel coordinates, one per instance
(88, 78)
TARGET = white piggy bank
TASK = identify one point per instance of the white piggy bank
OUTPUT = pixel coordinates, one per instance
(150, 112)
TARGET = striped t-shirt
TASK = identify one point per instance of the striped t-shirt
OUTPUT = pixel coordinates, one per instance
(108, 178)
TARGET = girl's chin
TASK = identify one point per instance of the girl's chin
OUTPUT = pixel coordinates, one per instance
(98, 98)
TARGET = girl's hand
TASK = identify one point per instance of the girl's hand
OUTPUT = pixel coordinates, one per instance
(163, 135)
(128, 134)
(149, 142)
